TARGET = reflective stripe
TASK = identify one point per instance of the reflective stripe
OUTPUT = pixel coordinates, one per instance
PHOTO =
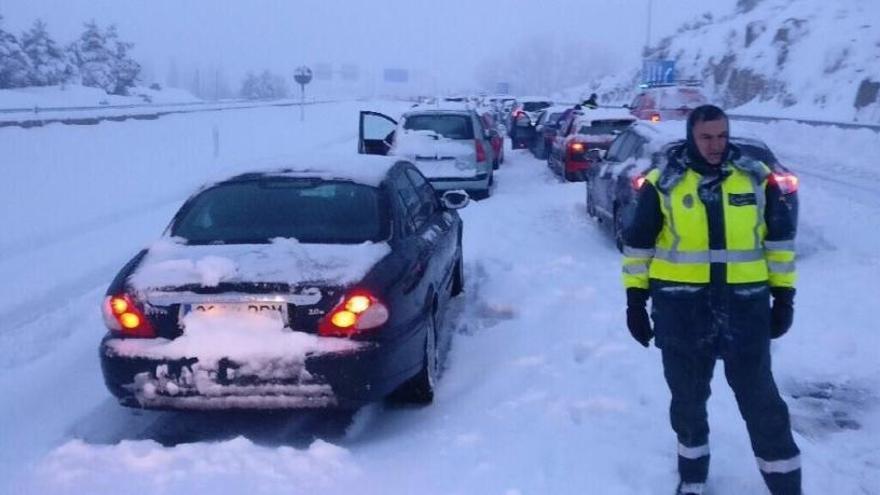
(779, 245)
(761, 201)
(637, 253)
(693, 452)
(782, 466)
(635, 269)
(781, 267)
(691, 489)
(676, 239)
(712, 256)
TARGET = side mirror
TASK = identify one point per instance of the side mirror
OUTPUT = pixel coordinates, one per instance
(455, 199)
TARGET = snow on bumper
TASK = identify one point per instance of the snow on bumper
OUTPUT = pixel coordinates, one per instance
(341, 378)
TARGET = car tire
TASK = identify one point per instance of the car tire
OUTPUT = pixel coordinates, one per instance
(420, 388)
(591, 208)
(458, 277)
(617, 225)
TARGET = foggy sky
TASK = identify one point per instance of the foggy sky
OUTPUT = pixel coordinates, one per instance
(445, 38)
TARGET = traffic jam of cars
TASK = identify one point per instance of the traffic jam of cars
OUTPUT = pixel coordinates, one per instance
(327, 284)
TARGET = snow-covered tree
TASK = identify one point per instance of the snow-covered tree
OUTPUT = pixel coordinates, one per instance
(126, 69)
(266, 85)
(103, 60)
(15, 67)
(94, 58)
(50, 65)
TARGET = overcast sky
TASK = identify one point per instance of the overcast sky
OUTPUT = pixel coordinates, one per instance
(448, 38)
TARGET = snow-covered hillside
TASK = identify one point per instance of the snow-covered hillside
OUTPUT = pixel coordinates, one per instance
(544, 392)
(792, 58)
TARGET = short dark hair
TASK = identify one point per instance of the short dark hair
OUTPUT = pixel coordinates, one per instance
(705, 113)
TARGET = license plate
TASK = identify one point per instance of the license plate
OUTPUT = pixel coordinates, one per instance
(275, 310)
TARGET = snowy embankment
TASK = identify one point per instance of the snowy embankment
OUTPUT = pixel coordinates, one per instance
(545, 391)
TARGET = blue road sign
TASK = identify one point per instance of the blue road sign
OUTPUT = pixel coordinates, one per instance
(658, 71)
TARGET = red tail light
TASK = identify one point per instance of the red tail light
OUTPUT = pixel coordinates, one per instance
(655, 117)
(637, 182)
(481, 153)
(122, 315)
(358, 311)
(576, 151)
(786, 182)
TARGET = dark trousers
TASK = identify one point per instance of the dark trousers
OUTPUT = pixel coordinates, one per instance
(689, 374)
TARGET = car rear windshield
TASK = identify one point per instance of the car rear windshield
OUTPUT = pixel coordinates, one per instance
(605, 127)
(449, 126)
(309, 210)
(534, 106)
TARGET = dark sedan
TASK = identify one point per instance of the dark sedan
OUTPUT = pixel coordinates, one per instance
(322, 286)
(612, 185)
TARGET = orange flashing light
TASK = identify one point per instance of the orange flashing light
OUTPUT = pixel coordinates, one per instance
(119, 305)
(129, 320)
(655, 118)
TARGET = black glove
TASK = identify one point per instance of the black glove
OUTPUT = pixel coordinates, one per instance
(782, 312)
(637, 319)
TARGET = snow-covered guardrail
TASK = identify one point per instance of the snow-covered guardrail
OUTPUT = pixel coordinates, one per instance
(40, 116)
(818, 123)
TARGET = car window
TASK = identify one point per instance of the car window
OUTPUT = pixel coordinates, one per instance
(534, 106)
(451, 126)
(409, 198)
(425, 191)
(614, 151)
(309, 210)
(629, 147)
(603, 127)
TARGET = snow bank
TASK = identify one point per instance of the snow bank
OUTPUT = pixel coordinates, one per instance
(234, 466)
(72, 95)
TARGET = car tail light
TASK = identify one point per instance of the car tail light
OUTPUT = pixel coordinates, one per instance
(576, 151)
(123, 316)
(357, 311)
(786, 182)
(655, 117)
(481, 153)
(637, 182)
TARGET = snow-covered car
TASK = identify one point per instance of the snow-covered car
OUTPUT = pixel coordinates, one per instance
(318, 286)
(448, 143)
(613, 183)
(661, 102)
(572, 150)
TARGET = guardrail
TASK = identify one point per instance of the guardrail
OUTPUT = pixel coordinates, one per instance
(767, 119)
(151, 111)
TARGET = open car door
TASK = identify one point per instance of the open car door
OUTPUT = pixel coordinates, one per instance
(376, 133)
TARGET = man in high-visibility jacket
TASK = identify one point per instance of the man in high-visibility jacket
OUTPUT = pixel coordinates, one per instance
(710, 242)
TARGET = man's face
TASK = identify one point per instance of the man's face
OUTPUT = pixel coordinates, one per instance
(711, 139)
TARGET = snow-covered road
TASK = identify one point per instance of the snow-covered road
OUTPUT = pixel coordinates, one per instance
(544, 391)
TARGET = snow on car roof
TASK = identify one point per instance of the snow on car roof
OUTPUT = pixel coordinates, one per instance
(369, 170)
(444, 106)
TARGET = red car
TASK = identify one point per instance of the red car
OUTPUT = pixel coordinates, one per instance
(496, 138)
(667, 102)
(588, 130)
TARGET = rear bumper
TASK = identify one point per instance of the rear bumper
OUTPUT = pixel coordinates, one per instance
(345, 379)
(479, 181)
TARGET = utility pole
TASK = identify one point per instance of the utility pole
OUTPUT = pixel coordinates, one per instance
(648, 30)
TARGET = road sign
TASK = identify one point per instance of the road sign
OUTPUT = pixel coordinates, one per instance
(302, 75)
(658, 71)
